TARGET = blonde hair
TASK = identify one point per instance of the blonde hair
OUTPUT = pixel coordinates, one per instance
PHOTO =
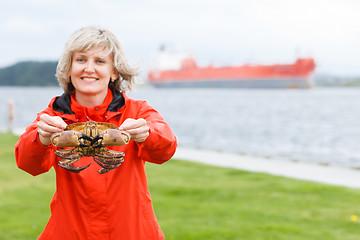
(87, 38)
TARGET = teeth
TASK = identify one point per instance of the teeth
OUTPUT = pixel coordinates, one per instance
(89, 79)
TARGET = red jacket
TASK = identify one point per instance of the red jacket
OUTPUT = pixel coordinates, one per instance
(89, 205)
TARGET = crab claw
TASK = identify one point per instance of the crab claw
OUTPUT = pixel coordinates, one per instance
(86, 137)
(95, 140)
(68, 138)
(72, 168)
(111, 137)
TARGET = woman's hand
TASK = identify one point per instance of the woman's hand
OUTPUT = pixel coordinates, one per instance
(49, 125)
(137, 128)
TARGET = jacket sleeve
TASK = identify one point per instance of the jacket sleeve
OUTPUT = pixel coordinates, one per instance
(161, 143)
(31, 155)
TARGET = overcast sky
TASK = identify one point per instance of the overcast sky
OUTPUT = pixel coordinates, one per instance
(221, 32)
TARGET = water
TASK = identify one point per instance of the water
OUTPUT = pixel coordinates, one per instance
(319, 125)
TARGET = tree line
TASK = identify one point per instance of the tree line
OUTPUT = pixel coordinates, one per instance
(29, 73)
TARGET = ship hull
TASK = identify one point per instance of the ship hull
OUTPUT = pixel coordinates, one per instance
(288, 83)
(295, 75)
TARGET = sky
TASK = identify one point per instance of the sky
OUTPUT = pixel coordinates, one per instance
(221, 32)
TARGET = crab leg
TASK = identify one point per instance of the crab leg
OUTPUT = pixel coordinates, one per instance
(111, 165)
(69, 156)
(103, 170)
(108, 160)
(72, 168)
(106, 167)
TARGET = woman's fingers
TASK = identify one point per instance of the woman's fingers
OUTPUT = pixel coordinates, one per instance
(48, 125)
(137, 128)
(53, 121)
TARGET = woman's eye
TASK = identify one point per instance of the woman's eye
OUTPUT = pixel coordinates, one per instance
(80, 60)
(101, 61)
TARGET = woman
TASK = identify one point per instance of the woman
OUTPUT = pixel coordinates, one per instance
(94, 74)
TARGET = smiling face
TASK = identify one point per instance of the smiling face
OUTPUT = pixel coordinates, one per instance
(91, 72)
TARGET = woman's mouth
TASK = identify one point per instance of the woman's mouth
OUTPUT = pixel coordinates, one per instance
(89, 79)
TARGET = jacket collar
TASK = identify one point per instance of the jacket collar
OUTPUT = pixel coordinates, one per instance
(62, 105)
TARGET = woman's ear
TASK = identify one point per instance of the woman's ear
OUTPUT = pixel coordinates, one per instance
(115, 75)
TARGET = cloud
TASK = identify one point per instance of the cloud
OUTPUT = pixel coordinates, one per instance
(225, 32)
(21, 24)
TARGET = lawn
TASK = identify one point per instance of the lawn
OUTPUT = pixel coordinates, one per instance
(195, 201)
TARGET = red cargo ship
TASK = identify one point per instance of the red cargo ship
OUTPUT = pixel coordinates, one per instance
(188, 74)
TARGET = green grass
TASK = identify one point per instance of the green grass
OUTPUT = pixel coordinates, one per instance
(195, 201)
(24, 199)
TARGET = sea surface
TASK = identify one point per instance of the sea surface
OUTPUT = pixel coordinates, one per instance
(320, 125)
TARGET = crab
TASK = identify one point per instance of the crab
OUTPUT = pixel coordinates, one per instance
(90, 139)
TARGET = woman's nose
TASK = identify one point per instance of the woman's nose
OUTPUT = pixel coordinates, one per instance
(90, 67)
